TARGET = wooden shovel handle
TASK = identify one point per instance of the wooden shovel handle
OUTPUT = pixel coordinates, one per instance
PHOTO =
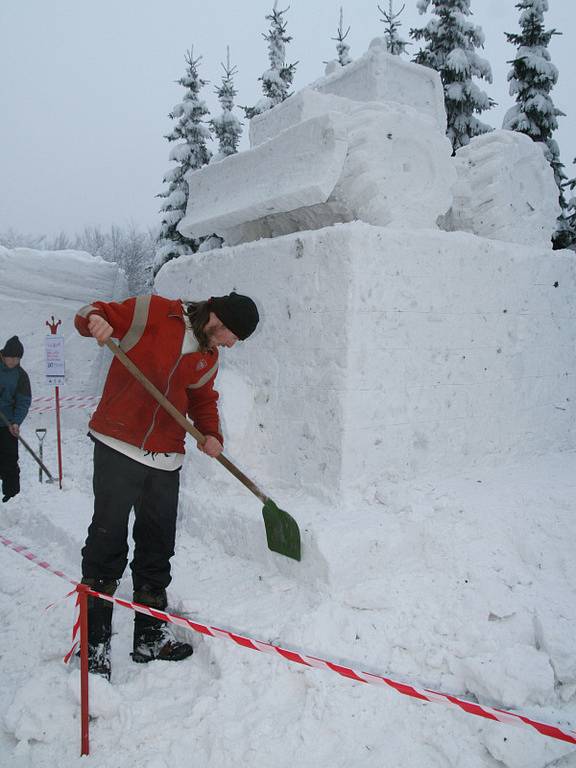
(181, 419)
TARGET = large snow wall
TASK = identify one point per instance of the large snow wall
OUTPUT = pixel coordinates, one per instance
(380, 358)
(56, 283)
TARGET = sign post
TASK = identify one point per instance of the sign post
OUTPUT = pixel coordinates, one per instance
(55, 372)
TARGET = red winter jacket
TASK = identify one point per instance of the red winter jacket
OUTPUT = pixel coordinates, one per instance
(151, 331)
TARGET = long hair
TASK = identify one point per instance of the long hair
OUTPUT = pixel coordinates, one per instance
(199, 313)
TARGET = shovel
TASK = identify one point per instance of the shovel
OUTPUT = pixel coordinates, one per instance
(25, 444)
(282, 531)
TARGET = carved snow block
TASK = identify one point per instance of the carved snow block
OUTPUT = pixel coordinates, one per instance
(398, 172)
(505, 190)
(298, 108)
(375, 77)
(380, 76)
(381, 357)
(298, 169)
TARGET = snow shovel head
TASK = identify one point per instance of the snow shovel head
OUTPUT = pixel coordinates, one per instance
(282, 531)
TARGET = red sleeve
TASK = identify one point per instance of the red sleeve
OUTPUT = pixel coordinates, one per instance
(119, 315)
(203, 410)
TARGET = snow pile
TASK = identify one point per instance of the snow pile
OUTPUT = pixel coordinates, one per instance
(36, 285)
(505, 190)
(473, 594)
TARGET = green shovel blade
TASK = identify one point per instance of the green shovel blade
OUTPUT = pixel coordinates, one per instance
(282, 531)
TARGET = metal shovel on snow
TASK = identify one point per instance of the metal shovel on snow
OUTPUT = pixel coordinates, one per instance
(282, 531)
(30, 451)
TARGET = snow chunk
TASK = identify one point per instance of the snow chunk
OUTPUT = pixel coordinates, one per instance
(29, 717)
(515, 677)
(105, 700)
(505, 190)
(517, 748)
(377, 76)
(398, 170)
(381, 76)
(299, 168)
(298, 108)
(554, 633)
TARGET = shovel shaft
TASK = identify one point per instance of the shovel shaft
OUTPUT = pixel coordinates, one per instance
(180, 418)
(239, 475)
(30, 451)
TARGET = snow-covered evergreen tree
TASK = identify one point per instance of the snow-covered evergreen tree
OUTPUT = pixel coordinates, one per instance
(531, 79)
(276, 80)
(226, 126)
(396, 44)
(565, 235)
(451, 40)
(190, 154)
(342, 48)
(570, 212)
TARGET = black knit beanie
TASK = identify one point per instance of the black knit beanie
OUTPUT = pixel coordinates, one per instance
(238, 313)
(13, 348)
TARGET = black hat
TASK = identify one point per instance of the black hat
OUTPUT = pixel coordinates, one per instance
(13, 348)
(238, 313)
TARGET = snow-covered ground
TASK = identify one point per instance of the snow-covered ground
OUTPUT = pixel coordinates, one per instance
(475, 597)
(461, 582)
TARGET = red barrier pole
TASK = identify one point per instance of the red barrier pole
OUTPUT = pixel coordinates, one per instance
(84, 700)
(58, 434)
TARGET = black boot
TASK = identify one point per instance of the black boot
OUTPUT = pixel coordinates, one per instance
(10, 489)
(100, 626)
(153, 638)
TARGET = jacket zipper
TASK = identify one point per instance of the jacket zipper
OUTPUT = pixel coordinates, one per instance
(151, 429)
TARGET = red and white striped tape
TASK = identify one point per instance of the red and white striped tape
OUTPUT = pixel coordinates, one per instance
(297, 657)
(45, 404)
(34, 559)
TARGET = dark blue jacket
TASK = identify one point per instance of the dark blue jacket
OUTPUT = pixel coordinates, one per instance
(15, 394)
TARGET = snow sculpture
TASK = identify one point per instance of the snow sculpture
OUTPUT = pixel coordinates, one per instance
(505, 190)
(390, 349)
(330, 159)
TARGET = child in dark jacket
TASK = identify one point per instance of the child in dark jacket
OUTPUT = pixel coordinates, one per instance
(15, 399)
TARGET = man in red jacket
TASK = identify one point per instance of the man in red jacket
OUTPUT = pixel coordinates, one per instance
(139, 450)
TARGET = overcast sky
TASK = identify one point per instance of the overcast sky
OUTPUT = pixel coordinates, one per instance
(86, 87)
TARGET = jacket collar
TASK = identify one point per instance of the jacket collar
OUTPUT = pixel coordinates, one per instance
(175, 309)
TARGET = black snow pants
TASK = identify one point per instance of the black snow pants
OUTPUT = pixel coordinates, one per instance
(9, 469)
(120, 484)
